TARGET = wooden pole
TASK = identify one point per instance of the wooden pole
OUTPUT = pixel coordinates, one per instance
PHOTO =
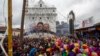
(22, 21)
(10, 49)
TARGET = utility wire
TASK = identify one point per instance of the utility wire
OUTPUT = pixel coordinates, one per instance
(64, 17)
(4, 11)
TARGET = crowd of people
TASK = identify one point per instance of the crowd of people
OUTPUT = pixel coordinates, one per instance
(55, 46)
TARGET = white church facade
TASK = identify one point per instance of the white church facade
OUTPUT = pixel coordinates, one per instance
(41, 13)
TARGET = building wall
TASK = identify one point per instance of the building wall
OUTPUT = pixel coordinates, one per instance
(43, 14)
(62, 29)
(16, 33)
(2, 30)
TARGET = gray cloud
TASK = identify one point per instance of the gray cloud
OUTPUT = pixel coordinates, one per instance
(82, 8)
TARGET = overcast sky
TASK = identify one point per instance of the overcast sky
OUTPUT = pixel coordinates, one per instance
(83, 9)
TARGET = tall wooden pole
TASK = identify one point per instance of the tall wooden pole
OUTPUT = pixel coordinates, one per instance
(22, 21)
(10, 49)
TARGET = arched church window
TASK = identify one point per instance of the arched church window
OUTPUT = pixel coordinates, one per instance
(47, 17)
(40, 18)
(40, 5)
(33, 18)
(53, 10)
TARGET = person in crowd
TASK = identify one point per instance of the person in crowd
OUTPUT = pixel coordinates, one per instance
(40, 26)
(32, 52)
(46, 27)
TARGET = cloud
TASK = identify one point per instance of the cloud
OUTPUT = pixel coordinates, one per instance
(85, 9)
(16, 26)
(82, 9)
(17, 11)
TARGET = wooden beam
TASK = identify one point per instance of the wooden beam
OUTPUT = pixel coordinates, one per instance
(10, 48)
(22, 21)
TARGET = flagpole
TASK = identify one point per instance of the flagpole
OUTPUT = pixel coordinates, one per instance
(10, 48)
